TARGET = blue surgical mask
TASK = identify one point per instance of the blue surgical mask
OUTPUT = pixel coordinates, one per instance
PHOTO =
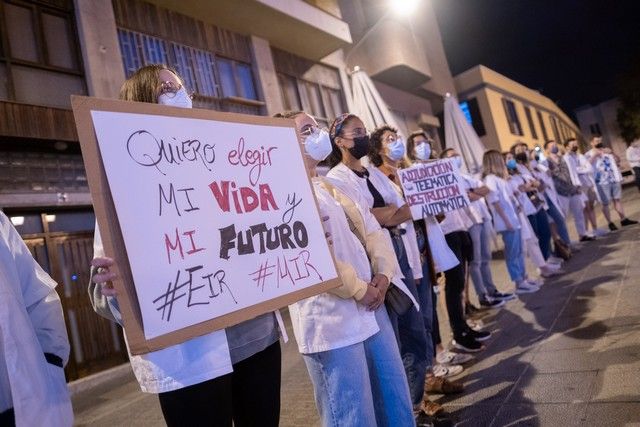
(511, 164)
(396, 149)
(555, 149)
(318, 145)
(423, 151)
(178, 99)
(457, 161)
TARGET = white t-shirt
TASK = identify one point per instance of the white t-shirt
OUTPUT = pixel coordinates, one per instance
(500, 193)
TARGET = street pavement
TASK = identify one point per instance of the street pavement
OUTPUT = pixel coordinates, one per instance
(568, 355)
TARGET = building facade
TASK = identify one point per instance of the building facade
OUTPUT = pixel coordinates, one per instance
(601, 120)
(503, 111)
(246, 56)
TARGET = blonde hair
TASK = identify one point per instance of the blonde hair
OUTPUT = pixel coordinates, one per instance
(493, 164)
(144, 84)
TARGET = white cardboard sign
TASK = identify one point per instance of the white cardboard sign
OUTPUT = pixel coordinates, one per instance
(433, 188)
(215, 216)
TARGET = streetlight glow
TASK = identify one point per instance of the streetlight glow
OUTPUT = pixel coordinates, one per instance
(404, 7)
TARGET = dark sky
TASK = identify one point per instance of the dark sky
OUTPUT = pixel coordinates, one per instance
(571, 50)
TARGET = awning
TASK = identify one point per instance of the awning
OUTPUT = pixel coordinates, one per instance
(460, 135)
(367, 102)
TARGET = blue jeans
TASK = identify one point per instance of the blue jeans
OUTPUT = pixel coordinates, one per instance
(479, 267)
(426, 309)
(410, 331)
(513, 254)
(425, 299)
(363, 384)
(540, 224)
(558, 219)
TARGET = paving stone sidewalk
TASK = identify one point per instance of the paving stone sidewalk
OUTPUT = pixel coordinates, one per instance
(568, 355)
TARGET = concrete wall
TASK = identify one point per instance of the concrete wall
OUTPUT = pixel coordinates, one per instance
(604, 114)
(104, 71)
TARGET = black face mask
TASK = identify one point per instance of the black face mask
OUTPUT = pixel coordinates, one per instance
(360, 146)
(521, 157)
(599, 145)
(574, 149)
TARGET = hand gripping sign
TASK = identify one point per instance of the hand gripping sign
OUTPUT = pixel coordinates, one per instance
(433, 188)
(210, 216)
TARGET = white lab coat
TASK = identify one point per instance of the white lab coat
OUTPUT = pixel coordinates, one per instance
(31, 324)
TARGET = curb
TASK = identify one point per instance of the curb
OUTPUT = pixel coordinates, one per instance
(98, 379)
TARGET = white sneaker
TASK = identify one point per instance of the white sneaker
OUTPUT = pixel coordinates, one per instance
(452, 358)
(555, 260)
(548, 271)
(600, 232)
(534, 282)
(446, 371)
(526, 288)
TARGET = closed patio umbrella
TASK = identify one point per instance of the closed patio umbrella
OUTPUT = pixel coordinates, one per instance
(460, 135)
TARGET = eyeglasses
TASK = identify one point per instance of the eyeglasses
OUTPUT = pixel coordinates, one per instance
(355, 133)
(309, 129)
(170, 89)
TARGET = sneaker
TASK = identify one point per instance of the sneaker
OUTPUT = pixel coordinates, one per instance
(446, 371)
(548, 271)
(526, 288)
(627, 221)
(466, 342)
(612, 226)
(442, 385)
(452, 358)
(505, 296)
(599, 232)
(534, 282)
(489, 302)
(479, 335)
(555, 260)
(586, 238)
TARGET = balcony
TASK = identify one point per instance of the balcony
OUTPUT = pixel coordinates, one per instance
(295, 26)
(390, 53)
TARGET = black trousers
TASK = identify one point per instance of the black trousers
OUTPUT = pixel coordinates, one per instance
(7, 418)
(249, 396)
(461, 245)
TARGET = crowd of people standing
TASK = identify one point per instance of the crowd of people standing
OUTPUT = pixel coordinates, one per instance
(373, 347)
(372, 359)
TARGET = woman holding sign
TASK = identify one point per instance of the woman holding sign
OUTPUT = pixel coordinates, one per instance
(344, 335)
(350, 142)
(224, 377)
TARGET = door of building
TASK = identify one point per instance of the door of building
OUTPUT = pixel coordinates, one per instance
(62, 243)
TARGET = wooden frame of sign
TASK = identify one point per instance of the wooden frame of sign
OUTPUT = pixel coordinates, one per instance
(114, 241)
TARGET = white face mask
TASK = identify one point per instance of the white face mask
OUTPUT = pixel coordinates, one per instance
(318, 145)
(423, 151)
(179, 99)
(396, 149)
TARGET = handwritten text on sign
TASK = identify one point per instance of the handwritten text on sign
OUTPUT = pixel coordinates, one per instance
(210, 221)
(433, 188)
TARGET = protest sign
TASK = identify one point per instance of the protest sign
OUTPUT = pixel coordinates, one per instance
(210, 216)
(433, 188)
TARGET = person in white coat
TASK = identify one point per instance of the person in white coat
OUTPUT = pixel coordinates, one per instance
(579, 165)
(229, 376)
(34, 347)
(345, 335)
(608, 181)
(350, 142)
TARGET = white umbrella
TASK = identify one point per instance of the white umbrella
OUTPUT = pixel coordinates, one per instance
(460, 135)
(367, 102)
